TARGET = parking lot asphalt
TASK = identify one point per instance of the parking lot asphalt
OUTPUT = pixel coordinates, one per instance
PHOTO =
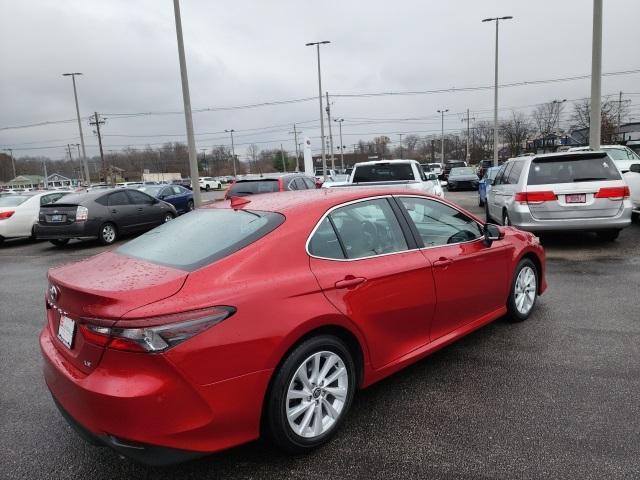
(553, 397)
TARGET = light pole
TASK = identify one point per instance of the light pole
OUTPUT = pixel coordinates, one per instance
(186, 98)
(13, 162)
(340, 120)
(401, 151)
(233, 152)
(75, 96)
(596, 77)
(557, 104)
(495, 91)
(324, 157)
(442, 112)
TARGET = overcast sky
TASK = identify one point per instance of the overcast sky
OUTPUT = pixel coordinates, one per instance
(247, 52)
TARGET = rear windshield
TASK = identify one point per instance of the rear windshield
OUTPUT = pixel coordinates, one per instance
(383, 172)
(621, 154)
(201, 237)
(13, 200)
(463, 171)
(575, 169)
(249, 187)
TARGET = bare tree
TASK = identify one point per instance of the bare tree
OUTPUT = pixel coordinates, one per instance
(253, 151)
(411, 142)
(515, 132)
(611, 110)
(546, 118)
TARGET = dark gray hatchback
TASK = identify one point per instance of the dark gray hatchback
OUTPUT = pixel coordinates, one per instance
(102, 215)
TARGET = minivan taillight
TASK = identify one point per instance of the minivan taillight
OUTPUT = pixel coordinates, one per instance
(5, 215)
(535, 197)
(154, 334)
(613, 193)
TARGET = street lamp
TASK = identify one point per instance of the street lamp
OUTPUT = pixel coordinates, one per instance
(324, 158)
(340, 120)
(557, 105)
(495, 92)
(233, 152)
(442, 112)
(75, 96)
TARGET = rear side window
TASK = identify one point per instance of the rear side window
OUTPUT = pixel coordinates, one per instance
(310, 183)
(324, 242)
(180, 244)
(572, 169)
(250, 187)
(514, 173)
(300, 184)
(383, 172)
(139, 198)
(118, 198)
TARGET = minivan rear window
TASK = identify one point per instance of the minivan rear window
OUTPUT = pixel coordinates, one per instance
(201, 237)
(383, 172)
(249, 187)
(572, 169)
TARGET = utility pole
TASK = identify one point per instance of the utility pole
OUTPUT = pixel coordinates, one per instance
(77, 145)
(97, 122)
(75, 96)
(433, 151)
(233, 152)
(13, 161)
(333, 160)
(596, 77)
(495, 91)
(324, 157)
(619, 114)
(295, 138)
(284, 163)
(340, 120)
(188, 117)
(442, 112)
(44, 166)
(401, 151)
(468, 120)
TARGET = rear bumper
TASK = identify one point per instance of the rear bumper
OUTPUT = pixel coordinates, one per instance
(144, 407)
(87, 229)
(521, 217)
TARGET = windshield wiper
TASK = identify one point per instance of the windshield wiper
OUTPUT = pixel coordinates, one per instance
(589, 179)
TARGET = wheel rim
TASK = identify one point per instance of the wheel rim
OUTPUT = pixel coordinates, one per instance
(317, 394)
(190, 206)
(168, 217)
(525, 290)
(108, 233)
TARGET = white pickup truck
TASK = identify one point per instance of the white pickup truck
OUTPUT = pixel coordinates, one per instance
(391, 174)
(632, 177)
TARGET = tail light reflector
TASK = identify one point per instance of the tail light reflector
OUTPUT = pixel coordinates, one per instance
(154, 334)
(5, 215)
(613, 193)
(535, 197)
(82, 214)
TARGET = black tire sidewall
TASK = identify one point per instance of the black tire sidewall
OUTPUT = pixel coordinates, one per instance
(276, 422)
(514, 314)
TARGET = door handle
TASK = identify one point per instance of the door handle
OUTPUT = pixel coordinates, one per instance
(140, 209)
(443, 262)
(114, 210)
(350, 282)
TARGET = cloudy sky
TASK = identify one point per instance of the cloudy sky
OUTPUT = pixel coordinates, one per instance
(249, 52)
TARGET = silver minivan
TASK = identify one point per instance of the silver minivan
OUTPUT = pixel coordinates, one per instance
(560, 192)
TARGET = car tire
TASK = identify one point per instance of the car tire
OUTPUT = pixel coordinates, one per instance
(190, 206)
(480, 202)
(207, 187)
(524, 291)
(487, 215)
(168, 217)
(108, 233)
(506, 221)
(288, 394)
(59, 242)
(608, 235)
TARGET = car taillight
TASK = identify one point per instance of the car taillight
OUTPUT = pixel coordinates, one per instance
(535, 197)
(5, 215)
(154, 334)
(82, 214)
(613, 193)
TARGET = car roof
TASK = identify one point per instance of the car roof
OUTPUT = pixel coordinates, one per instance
(377, 162)
(581, 153)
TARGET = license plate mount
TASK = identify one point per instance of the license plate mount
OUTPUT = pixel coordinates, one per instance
(66, 331)
(57, 218)
(576, 198)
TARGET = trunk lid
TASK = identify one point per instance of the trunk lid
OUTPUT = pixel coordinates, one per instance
(58, 214)
(103, 287)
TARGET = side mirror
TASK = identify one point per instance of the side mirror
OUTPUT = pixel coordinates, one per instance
(635, 167)
(432, 176)
(492, 233)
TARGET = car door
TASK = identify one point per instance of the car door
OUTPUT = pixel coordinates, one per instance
(121, 211)
(180, 197)
(471, 278)
(367, 264)
(146, 211)
(496, 195)
(169, 195)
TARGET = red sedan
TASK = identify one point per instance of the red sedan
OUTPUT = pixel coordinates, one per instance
(266, 314)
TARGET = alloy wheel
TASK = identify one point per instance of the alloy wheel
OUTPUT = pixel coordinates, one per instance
(525, 290)
(108, 233)
(168, 217)
(317, 394)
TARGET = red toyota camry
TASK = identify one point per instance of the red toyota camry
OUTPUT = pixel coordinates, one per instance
(266, 314)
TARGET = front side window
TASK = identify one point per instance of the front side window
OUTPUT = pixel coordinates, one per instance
(310, 183)
(501, 178)
(368, 228)
(440, 224)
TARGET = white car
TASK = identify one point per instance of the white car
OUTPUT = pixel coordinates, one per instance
(209, 183)
(632, 177)
(19, 212)
(622, 156)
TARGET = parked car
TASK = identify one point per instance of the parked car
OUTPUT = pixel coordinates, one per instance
(179, 197)
(183, 182)
(461, 178)
(432, 168)
(484, 165)
(560, 192)
(448, 165)
(171, 347)
(622, 155)
(209, 183)
(484, 186)
(391, 174)
(268, 184)
(632, 177)
(103, 214)
(19, 212)
(129, 184)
